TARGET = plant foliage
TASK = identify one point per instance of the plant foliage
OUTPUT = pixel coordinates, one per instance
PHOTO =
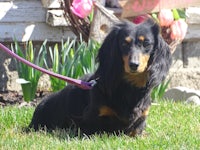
(29, 77)
(73, 59)
(159, 91)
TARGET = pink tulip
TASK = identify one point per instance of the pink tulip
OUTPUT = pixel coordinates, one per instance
(165, 17)
(178, 29)
(141, 18)
(82, 8)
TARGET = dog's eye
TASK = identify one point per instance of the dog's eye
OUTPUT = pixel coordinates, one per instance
(146, 43)
(125, 44)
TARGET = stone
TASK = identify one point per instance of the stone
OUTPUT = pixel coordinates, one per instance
(181, 93)
(51, 3)
(184, 77)
(195, 100)
(56, 18)
(193, 15)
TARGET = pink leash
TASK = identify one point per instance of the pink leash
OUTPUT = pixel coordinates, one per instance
(77, 82)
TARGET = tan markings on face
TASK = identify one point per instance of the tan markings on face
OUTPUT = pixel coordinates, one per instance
(128, 39)
(137, 79)
(144, 58)
(126, 63)
(141, 38)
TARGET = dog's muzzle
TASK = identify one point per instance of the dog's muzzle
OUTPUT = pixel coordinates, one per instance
(134, 61)
(133, 65)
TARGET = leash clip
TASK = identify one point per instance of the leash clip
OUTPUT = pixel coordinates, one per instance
(93, 83)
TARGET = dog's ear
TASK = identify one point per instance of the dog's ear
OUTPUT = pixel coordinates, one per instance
(160, 58)
(160, 62)
(156, 30)
(151, 23)
(110, 59)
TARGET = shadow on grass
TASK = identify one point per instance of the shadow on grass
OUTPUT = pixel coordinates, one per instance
(70, 133)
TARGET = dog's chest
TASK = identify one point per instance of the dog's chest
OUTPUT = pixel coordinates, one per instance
(122, 103)
(138, 80)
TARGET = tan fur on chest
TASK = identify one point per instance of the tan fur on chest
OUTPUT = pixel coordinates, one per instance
(137, 79)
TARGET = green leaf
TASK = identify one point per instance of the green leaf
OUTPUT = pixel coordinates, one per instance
(159, 91)
(56, 59)
(76, 59)
(29, 76)
(175, 14)
(182, 13)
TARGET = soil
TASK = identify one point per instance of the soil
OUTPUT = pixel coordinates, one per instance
(15, 98)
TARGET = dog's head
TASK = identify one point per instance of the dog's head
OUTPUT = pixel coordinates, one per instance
(129, 51)
(137, 44)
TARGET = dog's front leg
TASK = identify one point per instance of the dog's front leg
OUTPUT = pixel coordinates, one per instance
(138, 122)
(91, 122)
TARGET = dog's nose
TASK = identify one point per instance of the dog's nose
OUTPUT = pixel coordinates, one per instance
(133, 65)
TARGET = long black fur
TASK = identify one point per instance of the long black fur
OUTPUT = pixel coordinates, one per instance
(113, 104)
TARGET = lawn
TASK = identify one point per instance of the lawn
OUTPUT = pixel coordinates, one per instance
(170, 126)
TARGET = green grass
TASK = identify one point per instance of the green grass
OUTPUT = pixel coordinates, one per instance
(171, 126)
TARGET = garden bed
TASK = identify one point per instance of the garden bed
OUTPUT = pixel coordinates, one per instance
(15, 98)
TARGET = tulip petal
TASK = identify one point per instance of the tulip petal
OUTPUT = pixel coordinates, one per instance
(82, 8)
(165, 17)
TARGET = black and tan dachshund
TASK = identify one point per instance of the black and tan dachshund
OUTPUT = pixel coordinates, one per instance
(132, 60)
